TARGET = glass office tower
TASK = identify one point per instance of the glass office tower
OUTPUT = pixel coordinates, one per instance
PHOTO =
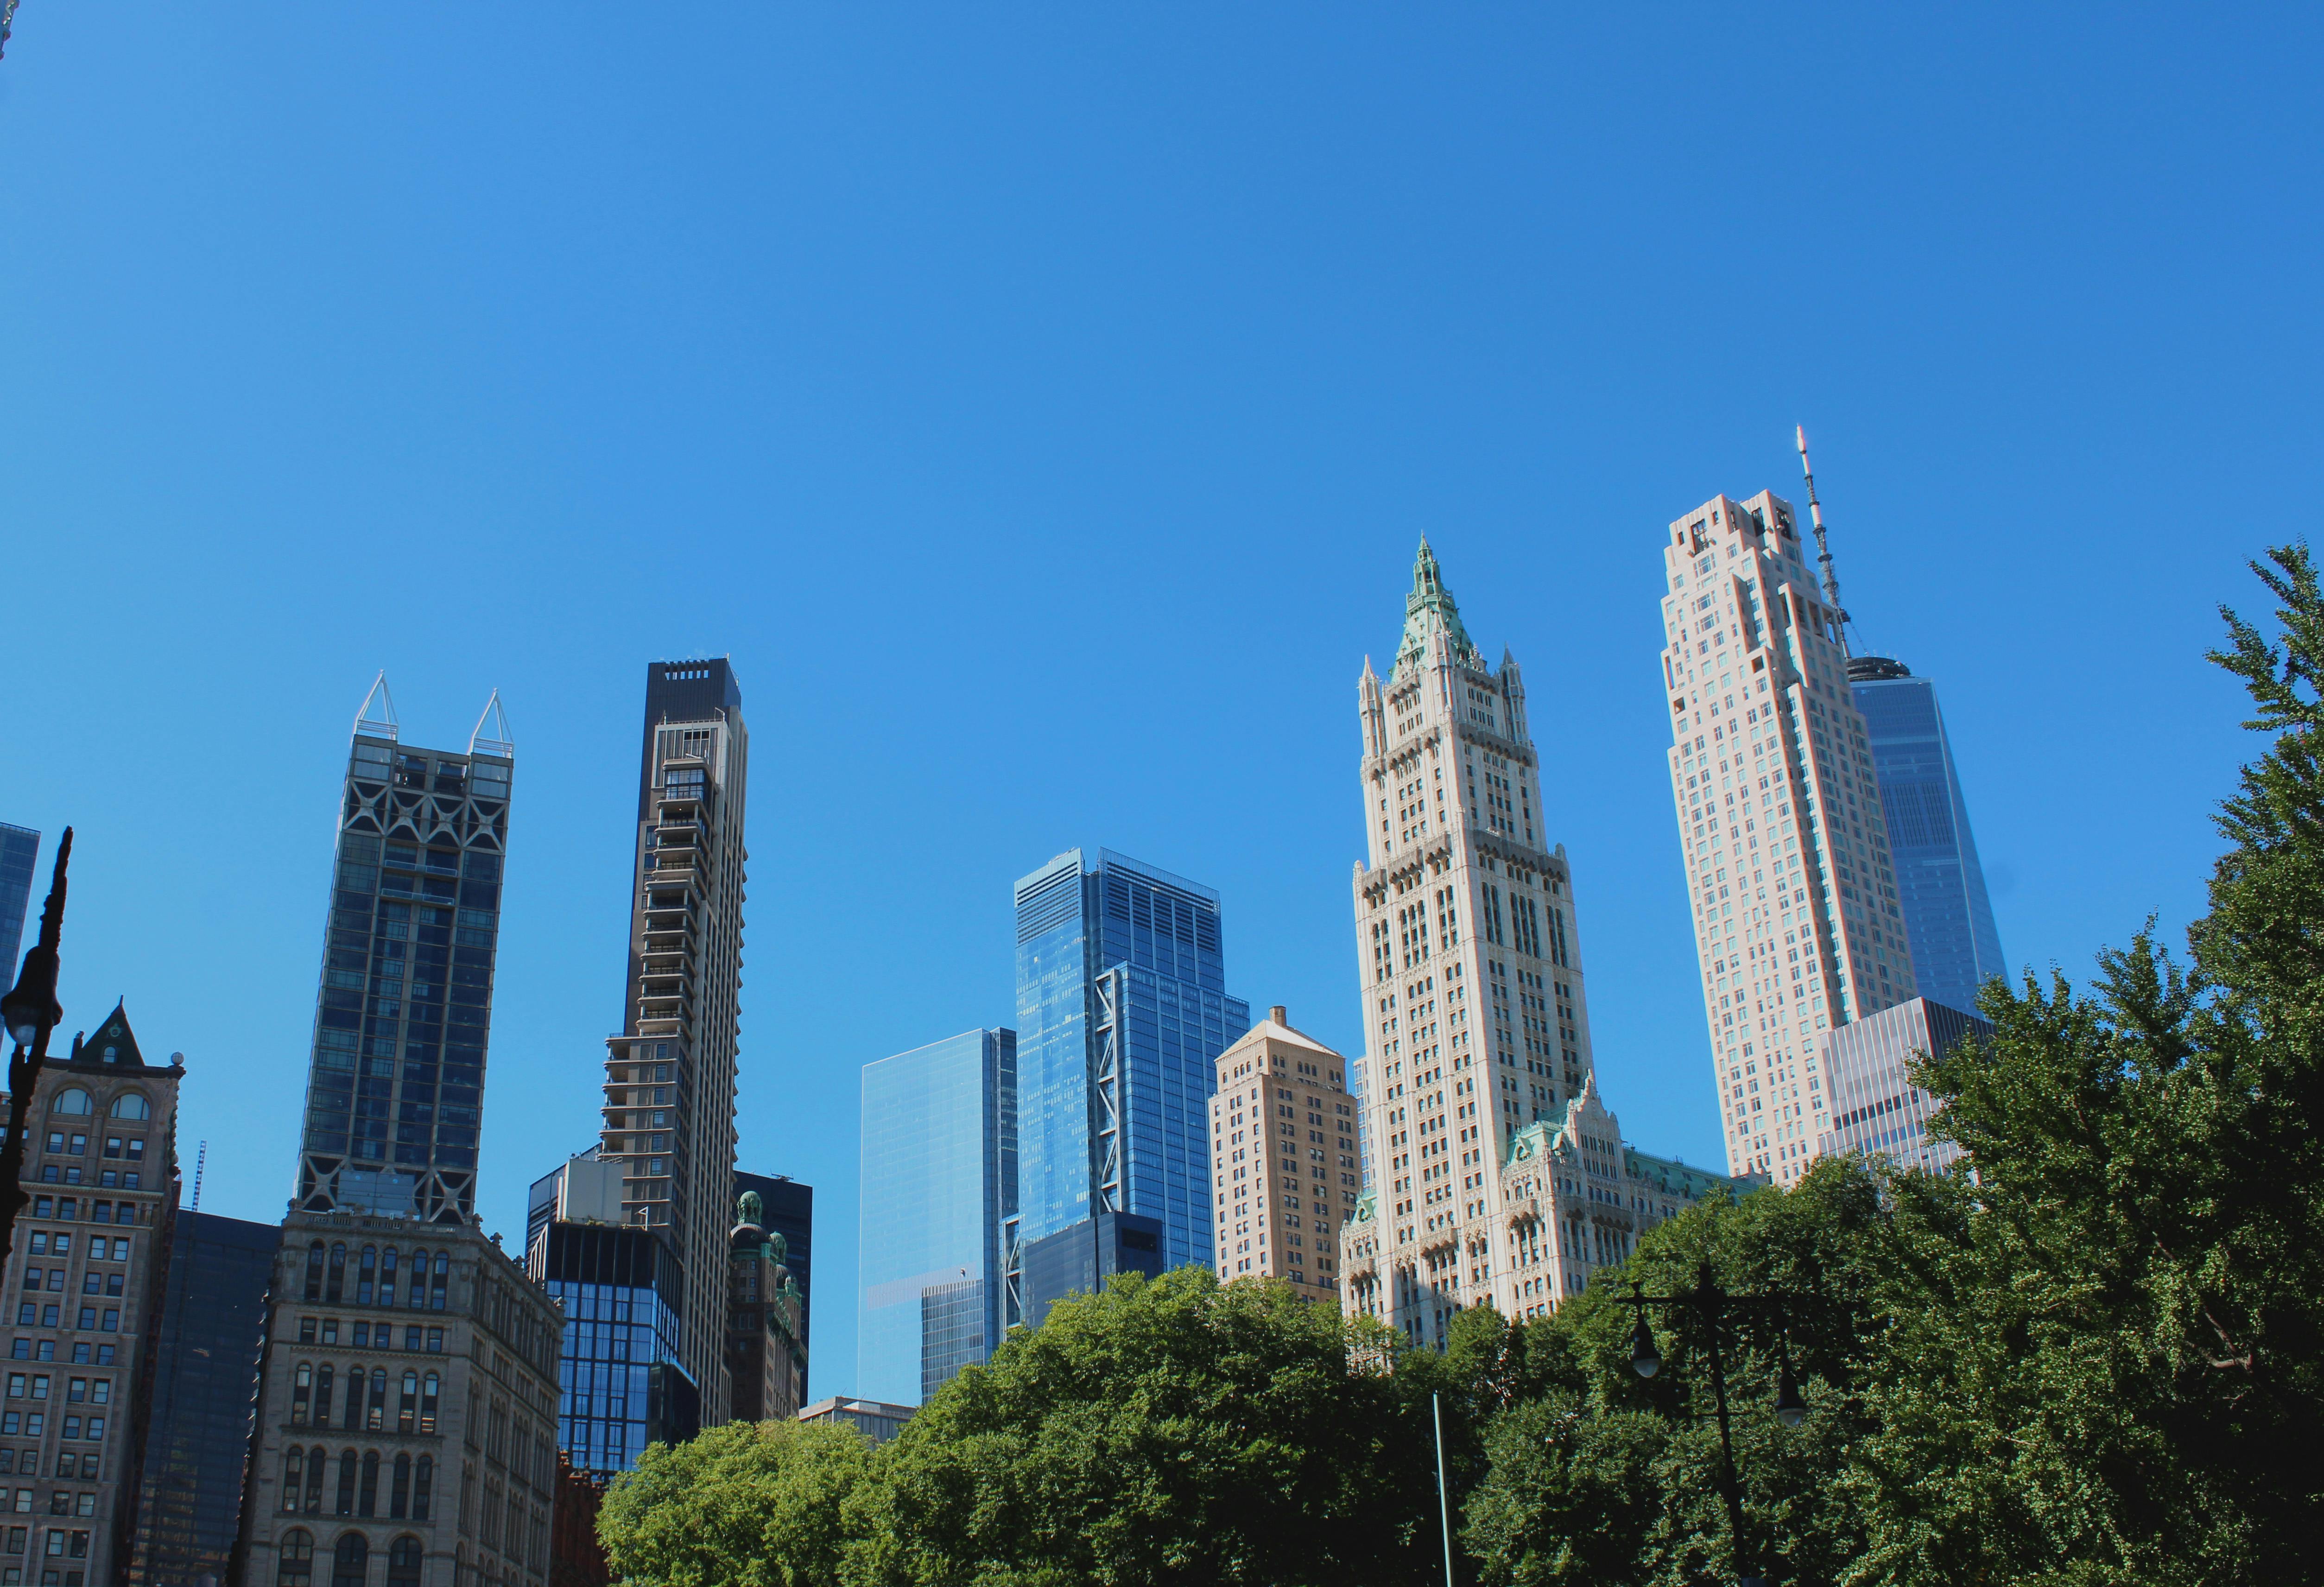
(395, 1089)
(205, 1376)
(1122, 1011)
(1948, 919)
(20, 849)
(939, 1192)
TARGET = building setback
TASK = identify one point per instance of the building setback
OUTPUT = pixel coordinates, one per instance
(1797, 923)
(85, 1280)
(1122, 1014)
(407, 1404)
(1875, 1107)
(205, 1378)
(937, 1199)
(1283, 1158)
(1948, 919)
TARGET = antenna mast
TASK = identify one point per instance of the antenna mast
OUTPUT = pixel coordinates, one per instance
(1816, 517)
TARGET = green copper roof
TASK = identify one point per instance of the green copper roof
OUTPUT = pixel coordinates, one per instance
(1428, 609)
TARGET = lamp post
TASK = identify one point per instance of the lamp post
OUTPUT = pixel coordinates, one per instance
(1712, 1304)
(30, 1013)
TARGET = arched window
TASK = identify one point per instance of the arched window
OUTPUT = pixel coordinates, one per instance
(367, 1498)
(407, 1409)
(351, 1560)
(315, 1461)
(428, 1404)
(72, 1100)
(348, 1464)
(129, 1104)
(323, 1396)
(338, 1274)
(294, 1558)
(375, 1419)
(368, 1275)
(302, 1392)
(315, 1271)
(352, 1419)
(422, 1478)
(398, 1496)
(387, 1277)
(294, 1479)
(404, 1563)
(418, 1279)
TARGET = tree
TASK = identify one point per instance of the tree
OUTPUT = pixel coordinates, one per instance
(1168, 1431)
(763, 1504)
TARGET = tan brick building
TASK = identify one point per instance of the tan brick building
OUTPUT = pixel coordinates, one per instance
(1283, 1158)
(84, 1294)
(407, 1430)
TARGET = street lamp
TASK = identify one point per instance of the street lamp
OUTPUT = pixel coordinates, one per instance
(29, 1013)
(1708, 1301)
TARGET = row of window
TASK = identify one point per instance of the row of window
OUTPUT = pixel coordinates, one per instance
(45, 1350)
(312, 1387)
(77, 1390)
(67, 1209)
(107, 1320)
(378, 1277)
(82, 1464)
(63, 1503)
(57, 1242)
(349, 1562)
(411, 1484)
(32, 1423)
(73, 1103)
(372, 1335)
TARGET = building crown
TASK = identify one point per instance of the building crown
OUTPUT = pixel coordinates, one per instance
(1430, 609)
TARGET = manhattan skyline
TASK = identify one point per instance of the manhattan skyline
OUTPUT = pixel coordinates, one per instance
(1057, 497)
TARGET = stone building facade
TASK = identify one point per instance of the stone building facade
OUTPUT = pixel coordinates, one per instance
(765, 1356)
(407, 1418)
(84, 1292)
(1283, 1158)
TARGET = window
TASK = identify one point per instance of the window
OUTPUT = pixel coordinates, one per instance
(398, 1498)
(423, 1478)
(315, 1461)
(294, 1559)
(350, 1561)
(129, 1104)
(294, 1478)
(73, 1102)
(348, 1461)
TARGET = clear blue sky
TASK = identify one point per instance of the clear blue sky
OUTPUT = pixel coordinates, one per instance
(1040, 406)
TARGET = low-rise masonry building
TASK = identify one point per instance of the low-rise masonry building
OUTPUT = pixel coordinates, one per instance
(407, 1421)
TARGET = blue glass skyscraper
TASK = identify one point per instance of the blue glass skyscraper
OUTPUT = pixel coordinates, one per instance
(938, 1192)
(1948, 919)
(1122, 1009)
(20, 849)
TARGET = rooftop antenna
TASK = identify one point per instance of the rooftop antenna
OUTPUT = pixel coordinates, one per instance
(1823, 547)
(492, 736)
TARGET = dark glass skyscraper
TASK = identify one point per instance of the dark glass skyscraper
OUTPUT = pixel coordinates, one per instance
(395, 1088)
(20, 849)
(1948, 919)
(1122, 1009)
(213, 1318)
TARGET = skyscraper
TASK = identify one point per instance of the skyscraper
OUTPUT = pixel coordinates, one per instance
(669, 1074)
(395, 1084)
(409, 1366)
(1876, 1108)
(1797, 923)
(1469, 953)
(1122, 1014)
(20, 849)
(206, 1370)
(1283, 1158)
(1948, 919)
(938, 1196)
(788, 1207)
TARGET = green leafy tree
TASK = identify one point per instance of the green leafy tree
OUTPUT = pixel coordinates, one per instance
(764, 1504)
(1165, 1432)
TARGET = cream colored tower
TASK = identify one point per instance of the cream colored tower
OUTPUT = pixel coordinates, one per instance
(1796, 920)
(1469, 953)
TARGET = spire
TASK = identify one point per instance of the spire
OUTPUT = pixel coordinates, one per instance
(1428, 609)
(376, 718)
(1816, 517)
(492, 736)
